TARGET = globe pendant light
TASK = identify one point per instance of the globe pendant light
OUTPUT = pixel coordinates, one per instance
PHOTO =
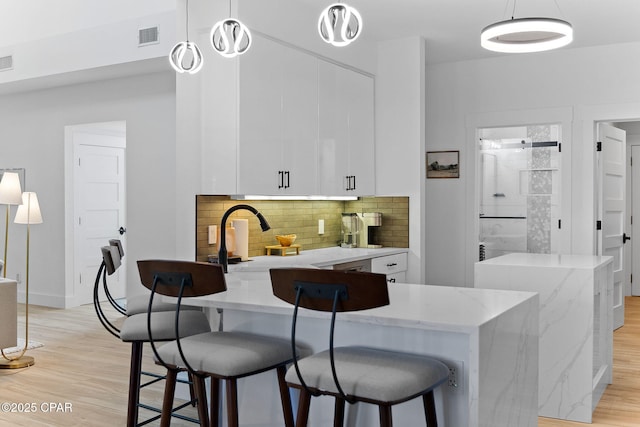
(185, 57)
(339, 24)
(182, 50)
(526, 35)
(230, 37)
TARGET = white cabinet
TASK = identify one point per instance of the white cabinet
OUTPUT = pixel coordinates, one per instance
(278, 125)
(279, 120)
(346, 137)
(394, 266)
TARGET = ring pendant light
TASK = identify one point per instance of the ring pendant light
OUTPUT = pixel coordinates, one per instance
(230, 37)
(339, 24)
(186, 49)
(526, 35)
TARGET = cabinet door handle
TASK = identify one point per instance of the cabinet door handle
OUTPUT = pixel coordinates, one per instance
(287, 182)
(392, 280)
(348, 183)
(392, 264)
(351, 182)
(280, 179)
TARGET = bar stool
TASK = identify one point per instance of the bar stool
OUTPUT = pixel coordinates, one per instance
(134, 330)
(353, 373)
(221, 356)
(111, 260)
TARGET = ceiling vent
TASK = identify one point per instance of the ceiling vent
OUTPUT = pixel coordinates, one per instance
(147, 36)
(6, 63)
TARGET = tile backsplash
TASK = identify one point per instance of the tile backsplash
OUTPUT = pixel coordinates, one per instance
(301, 217)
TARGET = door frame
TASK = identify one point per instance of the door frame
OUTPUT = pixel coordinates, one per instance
(562, 116)
(629, 205)
(586, 130)
(111, 128)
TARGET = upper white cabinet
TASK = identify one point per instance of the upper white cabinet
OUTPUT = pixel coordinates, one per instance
(278, 120)
(281, 121)
(346, 139)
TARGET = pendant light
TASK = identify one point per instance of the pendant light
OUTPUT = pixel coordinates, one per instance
(526, 34)
(185, 57)
(230, 37)
(339, 24)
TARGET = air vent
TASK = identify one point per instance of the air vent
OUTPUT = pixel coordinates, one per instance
(148, 36)
(6, 63)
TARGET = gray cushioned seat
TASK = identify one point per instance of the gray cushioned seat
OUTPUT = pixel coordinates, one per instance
(140, 303)
(228, 354)
(163, 326)
(374, 374)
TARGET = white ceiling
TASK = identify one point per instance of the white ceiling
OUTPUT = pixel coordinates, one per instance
(451, 27)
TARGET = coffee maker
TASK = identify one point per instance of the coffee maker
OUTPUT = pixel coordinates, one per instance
(369, 221)
(350, 230)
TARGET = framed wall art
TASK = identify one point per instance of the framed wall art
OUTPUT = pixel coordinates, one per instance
(443, 164)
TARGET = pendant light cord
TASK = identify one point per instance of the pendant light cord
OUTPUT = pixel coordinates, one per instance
(513, 10)
(187, 1)
(506, 8)
(559, 10)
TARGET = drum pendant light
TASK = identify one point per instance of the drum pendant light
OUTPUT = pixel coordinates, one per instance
(339, 24)
(185, 57)
(526, 35)
(230, 37)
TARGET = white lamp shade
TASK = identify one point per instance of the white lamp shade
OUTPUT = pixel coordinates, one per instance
(29, 211)
(10, 191)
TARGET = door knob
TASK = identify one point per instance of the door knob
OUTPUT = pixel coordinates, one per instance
(122, 230)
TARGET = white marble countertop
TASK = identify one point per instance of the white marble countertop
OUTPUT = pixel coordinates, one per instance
(549, 260)
(456, 309)
(319, 258)
(411, 305)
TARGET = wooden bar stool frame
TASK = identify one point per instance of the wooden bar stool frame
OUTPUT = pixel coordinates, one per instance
(191, 279)
(111, 260)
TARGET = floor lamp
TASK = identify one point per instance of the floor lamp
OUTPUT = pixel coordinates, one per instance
(28, 213)
(10, 194)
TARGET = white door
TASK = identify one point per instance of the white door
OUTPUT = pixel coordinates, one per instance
(99, 208)
(611, 165)
(635, 231)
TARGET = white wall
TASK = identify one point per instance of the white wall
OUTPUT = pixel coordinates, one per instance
(32, 136)
(105, 45)
(576, 86)
(400, 121)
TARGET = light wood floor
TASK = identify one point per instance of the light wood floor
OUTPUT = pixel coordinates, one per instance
(81, 364)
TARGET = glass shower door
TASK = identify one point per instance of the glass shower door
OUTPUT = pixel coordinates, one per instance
(519, 190)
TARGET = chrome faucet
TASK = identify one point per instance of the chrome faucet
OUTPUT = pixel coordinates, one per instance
(222, 251)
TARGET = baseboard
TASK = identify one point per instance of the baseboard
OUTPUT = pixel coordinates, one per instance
(53, 301)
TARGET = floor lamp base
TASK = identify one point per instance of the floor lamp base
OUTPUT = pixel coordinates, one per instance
(21, 362)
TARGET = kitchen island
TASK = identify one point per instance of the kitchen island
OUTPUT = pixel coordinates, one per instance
(576, 318)
(490, 337)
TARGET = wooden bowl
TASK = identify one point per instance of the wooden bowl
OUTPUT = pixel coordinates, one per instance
(286, 239)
